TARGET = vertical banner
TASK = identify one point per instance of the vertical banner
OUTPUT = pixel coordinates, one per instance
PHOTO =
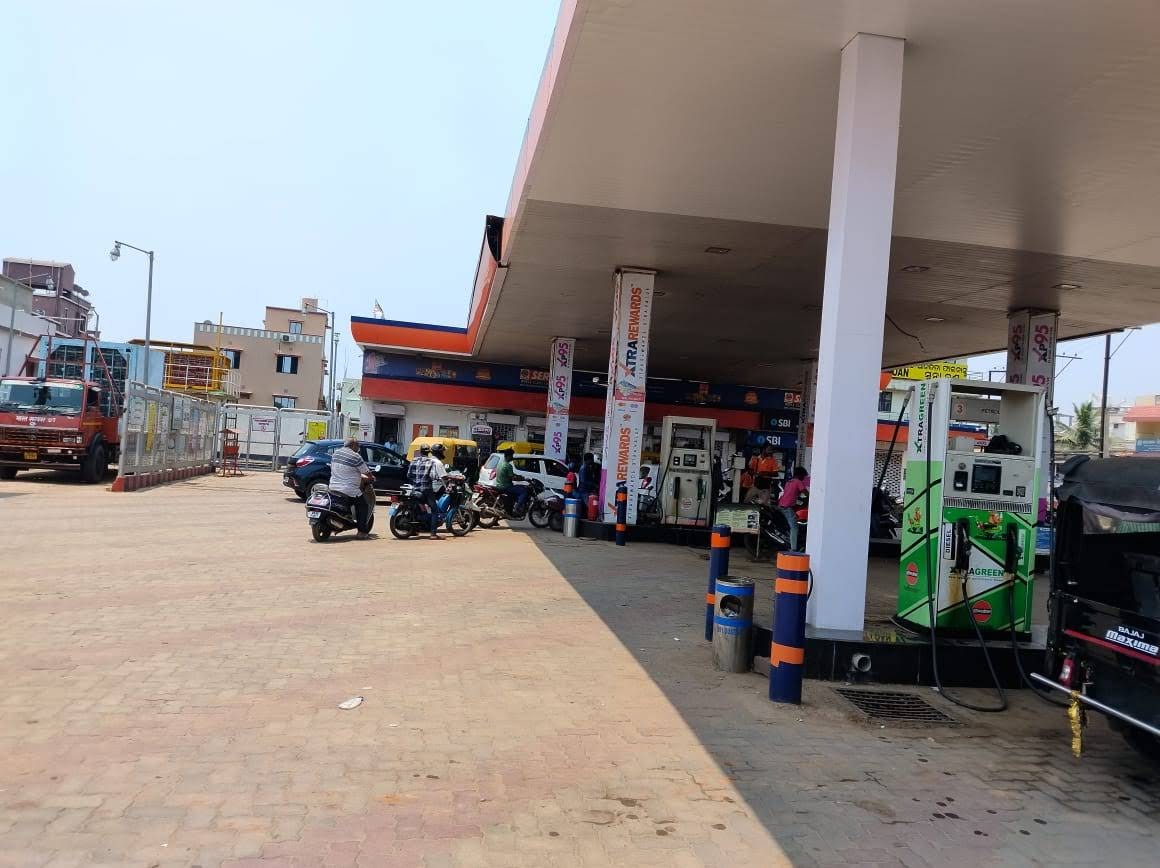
(624, 405)
(1018, 326)
(1042, 329)
(806, 415)
(1041, 352)
(559, 396)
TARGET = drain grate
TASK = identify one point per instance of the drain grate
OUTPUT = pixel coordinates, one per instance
(890, 705)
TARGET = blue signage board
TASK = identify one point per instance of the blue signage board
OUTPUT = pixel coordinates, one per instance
(1042, 540)
(1151, 444)
(785, 421)
(464, 372)
(777, 439)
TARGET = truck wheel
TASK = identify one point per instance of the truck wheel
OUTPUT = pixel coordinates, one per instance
(95, 466)
(8, 473)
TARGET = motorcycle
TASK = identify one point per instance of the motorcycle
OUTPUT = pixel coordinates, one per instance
(412, 516)
(330, 512)
(773, 533)
(490, 505)
(548, 510)
(885, 516)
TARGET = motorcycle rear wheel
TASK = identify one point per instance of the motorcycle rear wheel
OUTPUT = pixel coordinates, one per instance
(538, 514)
(556, 521)
(487, 520)
(402, 526)
(320, 531)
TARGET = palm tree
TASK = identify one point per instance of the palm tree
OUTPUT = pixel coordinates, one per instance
(1083, 432)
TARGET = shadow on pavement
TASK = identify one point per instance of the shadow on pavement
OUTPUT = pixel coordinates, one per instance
(830, 785)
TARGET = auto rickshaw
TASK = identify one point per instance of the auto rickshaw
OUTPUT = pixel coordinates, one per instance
(1103, 643)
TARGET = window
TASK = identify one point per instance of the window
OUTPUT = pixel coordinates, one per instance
(378, 455)
(555, 468)
(885, 402)
(285, 402)
(286, 364)
(295, 327)
(527, 465)
(235, 357)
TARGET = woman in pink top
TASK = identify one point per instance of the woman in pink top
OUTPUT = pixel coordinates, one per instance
(789, 496)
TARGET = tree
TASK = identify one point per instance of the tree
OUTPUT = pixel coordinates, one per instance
(1083, 433)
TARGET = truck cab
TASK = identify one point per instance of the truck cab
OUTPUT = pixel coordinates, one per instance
(57, 424)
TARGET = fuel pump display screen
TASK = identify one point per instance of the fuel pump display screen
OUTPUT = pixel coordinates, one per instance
(689, 460)
(986, 478)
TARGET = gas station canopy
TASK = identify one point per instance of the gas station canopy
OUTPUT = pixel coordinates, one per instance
(697, 139)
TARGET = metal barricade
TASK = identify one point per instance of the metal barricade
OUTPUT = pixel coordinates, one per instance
(267, 437)
(163, 431)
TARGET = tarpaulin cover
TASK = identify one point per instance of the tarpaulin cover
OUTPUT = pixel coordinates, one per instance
(1131, 484)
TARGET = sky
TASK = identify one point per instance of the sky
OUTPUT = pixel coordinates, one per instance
(269, 150)
(265, 150)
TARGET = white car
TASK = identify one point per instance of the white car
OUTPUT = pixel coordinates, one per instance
(549, 471)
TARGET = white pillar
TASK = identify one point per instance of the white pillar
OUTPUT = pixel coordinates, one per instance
(627, 374)
(853, 316)
(559, 397)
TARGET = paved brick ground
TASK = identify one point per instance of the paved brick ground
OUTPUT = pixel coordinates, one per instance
(172, 661)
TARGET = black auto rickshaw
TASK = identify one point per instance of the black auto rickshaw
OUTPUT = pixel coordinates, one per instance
(1103, 644)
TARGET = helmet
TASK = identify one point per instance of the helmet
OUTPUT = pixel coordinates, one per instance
(437, 450)
(424, 449)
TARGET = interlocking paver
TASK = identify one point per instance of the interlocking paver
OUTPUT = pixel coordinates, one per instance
(172, 662)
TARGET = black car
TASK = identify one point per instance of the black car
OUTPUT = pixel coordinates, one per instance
(310, 465)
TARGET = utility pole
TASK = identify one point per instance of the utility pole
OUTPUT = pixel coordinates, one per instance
(1104, 397)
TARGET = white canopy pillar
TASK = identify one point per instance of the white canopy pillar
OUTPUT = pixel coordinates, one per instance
(853, 316)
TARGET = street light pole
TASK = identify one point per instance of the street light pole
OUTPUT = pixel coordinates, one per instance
(114, 254)
(1104, 397)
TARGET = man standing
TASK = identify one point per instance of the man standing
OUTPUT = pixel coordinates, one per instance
(348, 472)
(788, 501)
(587, 478)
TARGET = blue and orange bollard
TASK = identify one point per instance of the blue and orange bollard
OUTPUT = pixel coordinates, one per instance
(718, 566)
(621, 514)
(787, 655)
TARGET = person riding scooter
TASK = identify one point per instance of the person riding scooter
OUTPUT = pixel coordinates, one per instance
(505, 475)
(349, 476)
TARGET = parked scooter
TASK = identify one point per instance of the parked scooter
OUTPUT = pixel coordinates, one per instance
(547, 510)
(491, 505)
(412, 516)
(774, 529)
(330, 512)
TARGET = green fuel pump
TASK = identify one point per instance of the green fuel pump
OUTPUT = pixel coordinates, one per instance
(968, 556)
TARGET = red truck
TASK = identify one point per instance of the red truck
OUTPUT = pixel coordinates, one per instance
(58, 423)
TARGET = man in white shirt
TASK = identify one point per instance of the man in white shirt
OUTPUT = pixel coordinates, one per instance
(348, 471)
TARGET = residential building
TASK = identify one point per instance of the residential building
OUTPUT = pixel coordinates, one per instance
(349, 406)
(56, 294)
(1144, 415)
(19, 328)
(281, 364)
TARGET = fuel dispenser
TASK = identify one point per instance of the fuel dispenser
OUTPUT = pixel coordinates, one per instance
(686, 487)
(968, 536)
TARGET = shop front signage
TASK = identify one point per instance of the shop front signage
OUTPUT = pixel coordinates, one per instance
(930, 371)
(1148, 444)
(377, 364)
